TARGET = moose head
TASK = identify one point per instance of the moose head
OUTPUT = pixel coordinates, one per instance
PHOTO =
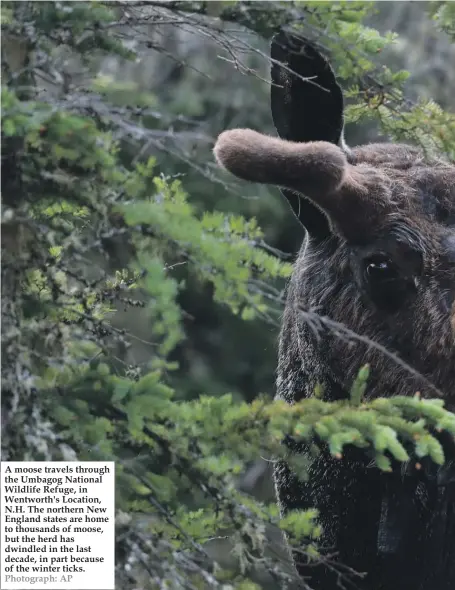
(380, 254)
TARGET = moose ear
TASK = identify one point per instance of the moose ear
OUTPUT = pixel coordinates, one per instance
(307, 105)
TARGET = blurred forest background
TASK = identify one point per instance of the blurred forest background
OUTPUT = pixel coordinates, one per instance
(107, 103)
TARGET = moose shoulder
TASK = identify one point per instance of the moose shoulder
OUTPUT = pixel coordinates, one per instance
(379, 257)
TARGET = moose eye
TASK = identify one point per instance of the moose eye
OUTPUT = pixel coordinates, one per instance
(387, 287)
(379, 268)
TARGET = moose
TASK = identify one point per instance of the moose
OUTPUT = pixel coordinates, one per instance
(379, 258)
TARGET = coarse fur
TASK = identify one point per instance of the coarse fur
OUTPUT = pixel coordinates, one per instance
(379, 259)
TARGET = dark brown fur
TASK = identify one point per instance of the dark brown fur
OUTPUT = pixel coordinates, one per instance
(391, 200)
